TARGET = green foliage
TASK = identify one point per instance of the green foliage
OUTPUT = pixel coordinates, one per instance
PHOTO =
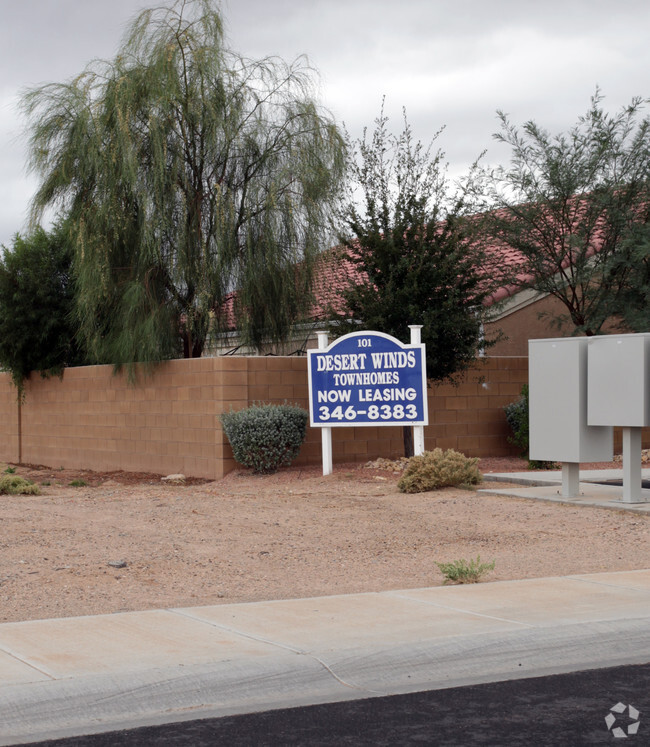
(36, 302)
(266, 437)
(410, 237)
(78, 484)
(187, 172)
(633, 264)
(576, 206)
(517, 418)
(464, 572)
(438, 469)
(10, 470)
(15, 485)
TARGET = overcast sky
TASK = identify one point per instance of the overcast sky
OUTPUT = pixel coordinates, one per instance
(451, 63)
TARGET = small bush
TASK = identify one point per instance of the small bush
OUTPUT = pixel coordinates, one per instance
(78, 484)
(15, 485)
(517, 417)
(438, 469)
(266, 437)
(462, 572)
(10, 470)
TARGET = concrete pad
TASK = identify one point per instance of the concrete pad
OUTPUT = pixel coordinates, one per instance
(541, 601)
(595, 496)
(337, 622)
(554, 477)
(68, 647)
(13, 671)
(530, 477)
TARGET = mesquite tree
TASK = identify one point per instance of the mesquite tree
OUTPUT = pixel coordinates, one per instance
(186, 172)
(409, 235)
(576, 206)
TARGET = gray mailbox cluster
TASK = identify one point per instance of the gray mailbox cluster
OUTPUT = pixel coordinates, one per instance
(619, 383)
(580, 387)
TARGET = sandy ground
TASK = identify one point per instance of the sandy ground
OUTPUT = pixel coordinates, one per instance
(292, 534)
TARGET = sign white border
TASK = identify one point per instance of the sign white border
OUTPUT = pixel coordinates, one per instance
(418, 346)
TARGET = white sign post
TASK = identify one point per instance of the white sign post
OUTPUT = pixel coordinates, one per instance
(418, 430)
(326, 433)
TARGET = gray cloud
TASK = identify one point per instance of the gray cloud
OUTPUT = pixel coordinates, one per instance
(449, 63)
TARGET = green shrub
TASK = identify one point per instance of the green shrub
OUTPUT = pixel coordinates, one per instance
(266, 437)
(438, 469)
(78, 484)
(15, 485)
(517, 417)
(462, 572)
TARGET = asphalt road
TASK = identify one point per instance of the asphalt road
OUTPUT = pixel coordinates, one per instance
(568, 709)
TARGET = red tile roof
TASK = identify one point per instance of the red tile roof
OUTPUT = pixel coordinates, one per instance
(334, 273)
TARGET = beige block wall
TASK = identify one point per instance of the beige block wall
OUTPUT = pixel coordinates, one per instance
(168, 421)
(470, 417)
(9, 448)
(92, 419)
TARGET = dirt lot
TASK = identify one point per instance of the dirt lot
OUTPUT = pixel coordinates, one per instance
(292, 534)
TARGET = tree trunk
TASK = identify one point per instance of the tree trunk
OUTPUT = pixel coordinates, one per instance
(192, 348)
(187, 350)
(407, 432)
(197, 348)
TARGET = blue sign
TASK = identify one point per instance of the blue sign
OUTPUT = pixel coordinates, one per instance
(367, 378)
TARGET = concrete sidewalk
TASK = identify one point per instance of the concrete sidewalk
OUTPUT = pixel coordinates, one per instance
(84, 675)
